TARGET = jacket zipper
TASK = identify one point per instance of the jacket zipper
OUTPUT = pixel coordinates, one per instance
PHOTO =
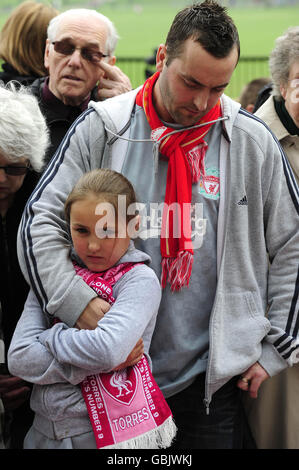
(207, 405)
(207, 400)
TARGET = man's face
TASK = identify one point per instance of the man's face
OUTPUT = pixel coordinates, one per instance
(290, 92)
(71, 76)
(192, 83)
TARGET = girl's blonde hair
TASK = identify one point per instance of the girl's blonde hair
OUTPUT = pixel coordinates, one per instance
(23, 38)
(103, 184)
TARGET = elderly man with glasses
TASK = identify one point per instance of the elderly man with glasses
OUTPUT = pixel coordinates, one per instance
(79, 58)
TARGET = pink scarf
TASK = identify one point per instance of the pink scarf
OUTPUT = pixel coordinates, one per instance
(126, 408)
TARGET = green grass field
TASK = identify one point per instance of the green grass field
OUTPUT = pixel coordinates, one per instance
(142, 28)
(141, 31)
(143, 24)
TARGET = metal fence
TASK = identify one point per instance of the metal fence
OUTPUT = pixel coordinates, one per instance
(248, 69)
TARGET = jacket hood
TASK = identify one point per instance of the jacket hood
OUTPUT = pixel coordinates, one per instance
(229, 108)
(109, 111)
(134, 255)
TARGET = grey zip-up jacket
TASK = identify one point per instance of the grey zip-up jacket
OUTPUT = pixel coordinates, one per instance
(257, 244)
(57, 359)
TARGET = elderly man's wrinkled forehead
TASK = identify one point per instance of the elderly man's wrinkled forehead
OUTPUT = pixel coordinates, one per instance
(88, 28)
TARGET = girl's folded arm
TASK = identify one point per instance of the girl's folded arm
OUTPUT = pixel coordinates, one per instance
(29, 359)
(135, 309)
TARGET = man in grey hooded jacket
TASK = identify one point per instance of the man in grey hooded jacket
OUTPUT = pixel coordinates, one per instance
(236, 323)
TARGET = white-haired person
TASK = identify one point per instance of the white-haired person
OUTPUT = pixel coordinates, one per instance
(274, 415)
(80, 60)
(281, 110)
(23, 142)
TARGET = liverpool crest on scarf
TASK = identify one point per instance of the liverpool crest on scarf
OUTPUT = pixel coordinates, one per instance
(185, 151)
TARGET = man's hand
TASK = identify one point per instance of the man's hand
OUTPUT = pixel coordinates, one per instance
(134, 356)
(13, 392)
(93, 313)
(114, 82)
(252, 379)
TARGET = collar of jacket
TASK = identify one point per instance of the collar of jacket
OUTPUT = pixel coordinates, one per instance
(118, 122)
(52, 107)
(285, 117)
(268, 114)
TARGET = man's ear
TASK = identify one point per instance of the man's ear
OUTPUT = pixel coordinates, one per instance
(111, 60)
(161, 57)
(283, 91)
(133, 227)
(137, 222)
(250, 107)
(46, 55)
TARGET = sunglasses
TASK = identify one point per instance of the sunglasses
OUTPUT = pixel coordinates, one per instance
(67, 48)
(15, 170)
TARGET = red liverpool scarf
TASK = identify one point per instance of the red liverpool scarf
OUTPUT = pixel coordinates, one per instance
(127, 410)
(185, 151)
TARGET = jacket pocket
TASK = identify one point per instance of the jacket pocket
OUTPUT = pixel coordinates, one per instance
(238, 328)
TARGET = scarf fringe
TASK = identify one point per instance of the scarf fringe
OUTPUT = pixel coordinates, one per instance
(157, 438)
(177, 271)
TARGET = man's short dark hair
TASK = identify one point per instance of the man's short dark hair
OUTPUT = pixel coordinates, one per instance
(207, 23)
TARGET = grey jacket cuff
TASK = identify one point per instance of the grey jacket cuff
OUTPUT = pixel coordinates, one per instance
(271, 360)
(75, 301)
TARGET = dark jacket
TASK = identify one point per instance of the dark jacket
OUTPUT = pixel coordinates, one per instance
(8, 73)
(13, 287)
(59, 116)
(13, 294)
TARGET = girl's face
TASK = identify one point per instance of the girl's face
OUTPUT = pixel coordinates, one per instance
(96, 240)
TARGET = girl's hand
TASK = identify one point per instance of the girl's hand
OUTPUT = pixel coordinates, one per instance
(134, 356)
(93, 313)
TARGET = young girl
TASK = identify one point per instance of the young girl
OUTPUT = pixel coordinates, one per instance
(81, 398)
